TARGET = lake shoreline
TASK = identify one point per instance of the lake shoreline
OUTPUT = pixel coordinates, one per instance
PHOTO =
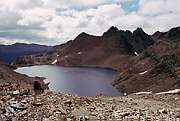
(82, 79)
(88, 66)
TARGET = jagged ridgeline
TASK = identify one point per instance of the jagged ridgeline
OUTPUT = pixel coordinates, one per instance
(140, 59)
(145, 66)
(87, 49)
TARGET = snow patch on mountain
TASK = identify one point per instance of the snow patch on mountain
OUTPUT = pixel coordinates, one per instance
(79, 53)
(54, 62)
(142, 93)
(170, 92)
(136, 53)
(142, 73)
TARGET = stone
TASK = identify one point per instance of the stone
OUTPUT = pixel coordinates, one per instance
(16, 92)
(176, 98)
(67, 102)
(86, 118)
(15, 105)
(8, 97)
(9, 109)
(93, 114)
(164, 111)
(38, 103)
(124, 114)
(125, 94)
(81, 118)
(45, 119)
(23, 113)
(24, 101)
(62, 110)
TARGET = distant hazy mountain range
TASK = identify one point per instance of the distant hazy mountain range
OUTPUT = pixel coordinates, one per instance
(9, 52)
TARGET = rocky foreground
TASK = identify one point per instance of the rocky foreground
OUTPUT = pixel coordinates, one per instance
(26, 105)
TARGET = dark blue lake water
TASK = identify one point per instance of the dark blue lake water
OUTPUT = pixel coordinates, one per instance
(84, 81)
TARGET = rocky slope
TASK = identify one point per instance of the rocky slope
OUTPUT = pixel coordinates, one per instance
(156, 69)
(144, 64)
(85, 49)
(9, 52)
(51, 106)
(18, 102)
(8, 77)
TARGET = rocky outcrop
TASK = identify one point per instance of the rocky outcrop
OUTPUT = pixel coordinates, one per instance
(172, 35)
(156, 35)
(156, 69)
(8, 77)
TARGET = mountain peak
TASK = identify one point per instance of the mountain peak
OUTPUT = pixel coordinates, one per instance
(111, 30)
(139, 30)
(174, 32)
(156, 35)
(82, 35)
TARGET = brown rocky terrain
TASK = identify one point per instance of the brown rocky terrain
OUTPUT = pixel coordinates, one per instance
(85, 49)
(51, 106)
(8, 76)
(144, 64)
(156, 69)
(18, 102)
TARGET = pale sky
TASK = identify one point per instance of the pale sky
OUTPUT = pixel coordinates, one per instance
(53, 22)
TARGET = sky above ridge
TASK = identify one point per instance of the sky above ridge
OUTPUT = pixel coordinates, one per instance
(53, 22)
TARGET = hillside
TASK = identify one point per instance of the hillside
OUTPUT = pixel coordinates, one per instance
(144, 64)
(85, 49)
(9, 52)
(156, 69)
(19, 103)
(9, 77)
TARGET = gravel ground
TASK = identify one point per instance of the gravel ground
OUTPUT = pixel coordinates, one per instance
(25, 105)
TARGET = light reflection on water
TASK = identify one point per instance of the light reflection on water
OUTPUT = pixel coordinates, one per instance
(85, 81)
